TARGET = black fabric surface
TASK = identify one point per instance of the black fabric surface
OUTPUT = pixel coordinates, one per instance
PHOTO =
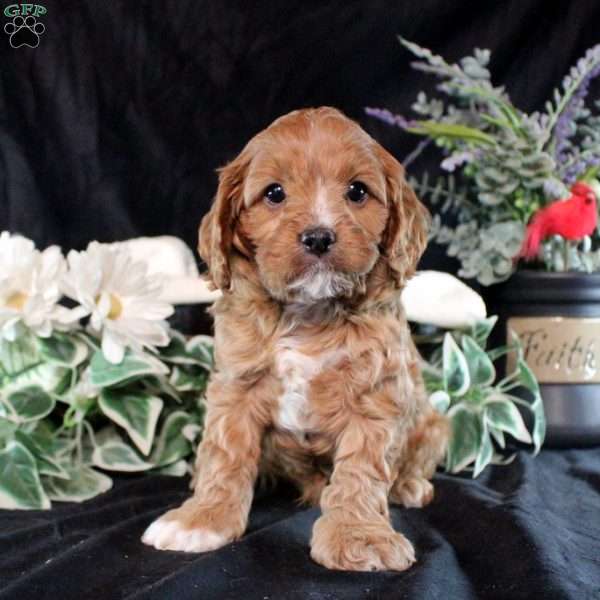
(112, 128)
(529, 530)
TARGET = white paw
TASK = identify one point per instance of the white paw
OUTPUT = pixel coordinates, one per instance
(170, 535)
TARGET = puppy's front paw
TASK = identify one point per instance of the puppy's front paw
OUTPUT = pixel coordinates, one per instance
(186, 531)
(360, 546)
(414, 492)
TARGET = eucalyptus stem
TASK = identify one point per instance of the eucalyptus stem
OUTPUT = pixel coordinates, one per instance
(567, 254)
(90, 431)
(79, 445)
(508, 380)
(512, 386)
(520, 401)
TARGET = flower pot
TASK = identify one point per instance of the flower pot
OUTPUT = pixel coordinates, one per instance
(557, 316)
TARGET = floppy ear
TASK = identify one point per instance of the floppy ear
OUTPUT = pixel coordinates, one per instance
(405, 237)
(216, 233)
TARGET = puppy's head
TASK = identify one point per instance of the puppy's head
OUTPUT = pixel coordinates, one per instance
(313, 203)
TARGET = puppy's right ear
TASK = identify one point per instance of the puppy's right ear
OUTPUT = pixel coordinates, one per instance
(217, 227)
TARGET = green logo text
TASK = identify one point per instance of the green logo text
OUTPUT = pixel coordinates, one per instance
(15, 10)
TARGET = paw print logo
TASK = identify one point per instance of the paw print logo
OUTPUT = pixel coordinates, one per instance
(24, 31)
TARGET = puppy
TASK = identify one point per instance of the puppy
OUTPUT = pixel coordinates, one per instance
(311, 237)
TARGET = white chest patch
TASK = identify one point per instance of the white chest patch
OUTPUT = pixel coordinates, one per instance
(296, 371)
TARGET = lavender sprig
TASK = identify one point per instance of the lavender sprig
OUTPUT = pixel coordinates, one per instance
(383, 114)
(566, 128)
(562, 116)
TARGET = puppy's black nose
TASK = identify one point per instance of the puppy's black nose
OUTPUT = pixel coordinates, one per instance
(318, 240)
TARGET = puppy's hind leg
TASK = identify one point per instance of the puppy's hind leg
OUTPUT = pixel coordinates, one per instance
(424, 450)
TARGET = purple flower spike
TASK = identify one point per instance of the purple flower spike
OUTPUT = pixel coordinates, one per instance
(383, 114)
(565, 125)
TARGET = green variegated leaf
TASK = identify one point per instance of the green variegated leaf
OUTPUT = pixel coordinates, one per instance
(52, 378)
(83, 483)
(191, 432)
(29, 404)
(63, 350)
(498, 459)
(117, 456)
(175, 352)
(502, 414)
(171, 444)
(481, 368)
(539, 424)
(49, 444)
(105, 374)
(7, 428)
(486, 452)
(20, 486)
(46, 465)
(499, 351)
(465, 440)
(19, 355)
(188, 378)
(481, 330)
(201, 348)
(516, 345)
(528, 379)
(195, 351)
(136, 412)
(455, 368)
(498, 435)
(433, 377)
(440, 400)
(176, 469)
(161, 386)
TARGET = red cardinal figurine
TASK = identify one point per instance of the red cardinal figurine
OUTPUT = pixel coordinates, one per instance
(572, 218)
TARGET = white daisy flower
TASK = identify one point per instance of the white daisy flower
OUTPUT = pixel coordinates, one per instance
(30, 289)
(120, 297)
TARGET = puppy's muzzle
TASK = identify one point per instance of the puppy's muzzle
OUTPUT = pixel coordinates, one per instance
(318, 241)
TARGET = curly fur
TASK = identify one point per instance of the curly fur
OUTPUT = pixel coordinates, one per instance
(316, 378)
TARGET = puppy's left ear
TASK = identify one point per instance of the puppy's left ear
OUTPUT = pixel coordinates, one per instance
(405, 237)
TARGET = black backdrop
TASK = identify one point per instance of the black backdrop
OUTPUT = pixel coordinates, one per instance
(113, 126)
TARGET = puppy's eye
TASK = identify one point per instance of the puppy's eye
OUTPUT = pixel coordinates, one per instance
(274, 193)
(357, 192)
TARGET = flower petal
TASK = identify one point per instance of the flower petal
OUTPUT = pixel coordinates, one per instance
(112, 348)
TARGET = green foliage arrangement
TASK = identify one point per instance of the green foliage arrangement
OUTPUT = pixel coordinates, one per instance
(501, 165)
(92, 378)
(94, 381)
(461, 380)
(68, 417)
